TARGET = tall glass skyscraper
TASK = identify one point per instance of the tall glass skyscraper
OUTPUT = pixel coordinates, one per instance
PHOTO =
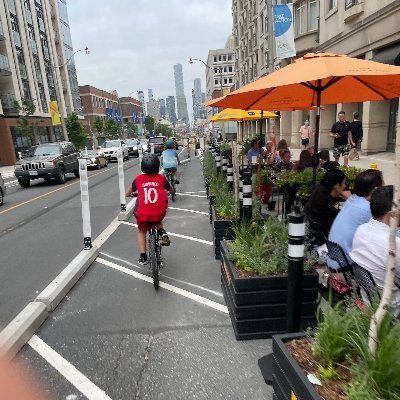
(180, 93)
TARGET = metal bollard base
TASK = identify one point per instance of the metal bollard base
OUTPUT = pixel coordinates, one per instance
(87, 241)
(123, 207)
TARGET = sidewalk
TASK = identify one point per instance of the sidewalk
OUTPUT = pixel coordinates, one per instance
(7, 172)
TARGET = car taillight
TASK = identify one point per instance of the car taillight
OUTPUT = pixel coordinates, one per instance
(55, 163)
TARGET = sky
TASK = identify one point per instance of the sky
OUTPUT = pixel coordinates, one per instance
(134, 44)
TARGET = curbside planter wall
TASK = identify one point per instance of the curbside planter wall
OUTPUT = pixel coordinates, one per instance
(220, 229)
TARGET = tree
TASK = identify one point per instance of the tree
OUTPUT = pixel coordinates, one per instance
(112, 129)
(149, 122)
(76, 132)
(25, 125)
(98, 125)
(131, 129)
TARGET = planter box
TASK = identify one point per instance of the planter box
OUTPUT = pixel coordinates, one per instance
(287, 375)
(221, 229)
(258, 305)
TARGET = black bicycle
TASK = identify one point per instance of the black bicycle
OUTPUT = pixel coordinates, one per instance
(170, 178)
(154, 248)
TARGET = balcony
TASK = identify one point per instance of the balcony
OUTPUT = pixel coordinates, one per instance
(8, 104)
(4, 66)
(352, 9)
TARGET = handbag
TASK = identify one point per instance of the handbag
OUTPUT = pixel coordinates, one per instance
(353, 153)
(305, 142)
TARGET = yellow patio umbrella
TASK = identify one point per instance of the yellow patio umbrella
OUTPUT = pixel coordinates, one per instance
(233, 114)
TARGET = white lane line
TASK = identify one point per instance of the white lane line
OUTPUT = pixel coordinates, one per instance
(106, 233)
(177, 235)
(214, 292)
(67, 370)
(188, 194)
(199, 191)
(187, 210)
(167, 286)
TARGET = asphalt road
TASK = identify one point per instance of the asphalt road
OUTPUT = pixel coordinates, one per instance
(115, 337)
(41, 231)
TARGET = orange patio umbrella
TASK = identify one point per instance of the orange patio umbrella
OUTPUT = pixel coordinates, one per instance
(211, 102)
(315, 79)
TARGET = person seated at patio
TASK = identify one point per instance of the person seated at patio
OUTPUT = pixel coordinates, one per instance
(311, 150)
(268, 154)
(325, 160)
(282, 145)
(305, 161)
(321, 209)
(371, 243)
(253, 154)
(355, 212)
(285, 164)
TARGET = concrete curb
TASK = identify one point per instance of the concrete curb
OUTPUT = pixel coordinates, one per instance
(17, 333)
(52, 295)
(126, 215)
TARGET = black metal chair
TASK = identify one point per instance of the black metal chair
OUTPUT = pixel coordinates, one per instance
(335, 252)
(365, 280)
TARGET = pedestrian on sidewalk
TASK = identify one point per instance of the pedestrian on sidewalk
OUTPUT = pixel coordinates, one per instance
(305, 134)
(341, 133)
(356, 134)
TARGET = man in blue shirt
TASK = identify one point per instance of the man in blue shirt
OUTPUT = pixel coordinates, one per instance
(254, 152)
(355, 212)
(170, 159)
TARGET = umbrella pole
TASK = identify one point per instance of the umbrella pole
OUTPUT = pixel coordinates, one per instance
(259, 159)
(315, 160)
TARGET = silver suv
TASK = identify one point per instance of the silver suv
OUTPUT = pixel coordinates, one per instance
(48, 161)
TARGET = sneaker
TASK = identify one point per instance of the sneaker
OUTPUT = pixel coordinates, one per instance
(143, 259)
(164, 237)
(176, 182)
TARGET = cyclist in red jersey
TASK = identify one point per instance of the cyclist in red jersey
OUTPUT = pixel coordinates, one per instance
(152, 202)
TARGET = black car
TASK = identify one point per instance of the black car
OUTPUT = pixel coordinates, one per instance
(48, 161)
(133, 147)
(159, 144)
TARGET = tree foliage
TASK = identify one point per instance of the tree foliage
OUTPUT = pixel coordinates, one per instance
(131, 129)
(112, 129)
(150, 123)
(26, 127)
(98, 124)
(163, 130)
(76, 132)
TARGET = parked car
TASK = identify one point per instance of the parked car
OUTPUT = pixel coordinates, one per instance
(95, 159)
(159, 144)
(111, 148)
(134, 147)
(145, 145)
(3, 190)
(48, 161)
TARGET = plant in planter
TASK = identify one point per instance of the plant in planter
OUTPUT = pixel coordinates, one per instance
(266, 185)
(350, 173)
(337, 356)
(254, 280)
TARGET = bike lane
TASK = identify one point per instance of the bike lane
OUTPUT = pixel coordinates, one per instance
(123, 340)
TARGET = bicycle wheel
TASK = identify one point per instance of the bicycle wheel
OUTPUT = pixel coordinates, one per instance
(172, 183)
(153, 260)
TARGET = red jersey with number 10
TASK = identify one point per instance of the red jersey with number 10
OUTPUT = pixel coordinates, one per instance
(152, 201)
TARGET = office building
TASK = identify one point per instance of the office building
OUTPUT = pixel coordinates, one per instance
(163, 111)
(150, 94)
(153, 109)
(141, 99)
(170, 109)
(180, 93)
(36, 63)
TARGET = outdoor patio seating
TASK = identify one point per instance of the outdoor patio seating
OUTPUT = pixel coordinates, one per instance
(365, 282)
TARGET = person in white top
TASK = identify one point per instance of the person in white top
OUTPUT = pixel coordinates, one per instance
(305, 134)
(371, 243)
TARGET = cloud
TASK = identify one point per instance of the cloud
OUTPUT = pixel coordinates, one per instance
(135, 43)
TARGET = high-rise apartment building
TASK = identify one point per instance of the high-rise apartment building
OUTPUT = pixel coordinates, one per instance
(163, 111)
(180, 94)
(150, 94)
(153, 109)
(170, 109)
(36, 63)
(141, 99)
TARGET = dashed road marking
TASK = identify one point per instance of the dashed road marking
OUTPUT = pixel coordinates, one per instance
(178, 235)
(67, 370)
(187, 210)
(189, 194)
(167, 286)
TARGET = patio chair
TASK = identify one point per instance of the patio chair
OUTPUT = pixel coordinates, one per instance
(365, 281)
(335, 252)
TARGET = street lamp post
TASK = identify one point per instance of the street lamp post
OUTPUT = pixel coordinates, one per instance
(219, 69)
(58, 96)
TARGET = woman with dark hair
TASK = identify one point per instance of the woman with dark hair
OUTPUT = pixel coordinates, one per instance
(321, 209)
(304, 162)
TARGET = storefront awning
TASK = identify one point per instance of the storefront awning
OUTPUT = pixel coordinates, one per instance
(389, 55)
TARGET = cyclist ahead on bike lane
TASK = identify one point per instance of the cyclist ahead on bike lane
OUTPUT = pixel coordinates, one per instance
(170, 159)
(152, 202)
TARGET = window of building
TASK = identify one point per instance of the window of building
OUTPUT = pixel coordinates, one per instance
(230, 69)
(266, 24)
(215, 81)
(215, 59)
(225, 70)
(219, 58)
(261, 23)
(224, 58)
(332, 4)
(301, 17)
(230, 80)
(313, 15)
(225, 81)
(229, 57)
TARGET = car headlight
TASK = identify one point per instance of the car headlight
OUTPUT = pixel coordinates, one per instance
(93, 159)
(18, 167)
(48, 164)
(134, 147)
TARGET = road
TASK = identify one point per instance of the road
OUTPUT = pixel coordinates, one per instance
(115, 337)
(41, 231)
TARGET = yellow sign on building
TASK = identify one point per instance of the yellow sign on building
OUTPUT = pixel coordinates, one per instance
(55, 114)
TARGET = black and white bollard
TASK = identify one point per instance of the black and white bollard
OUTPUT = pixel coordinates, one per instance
(121, 181)
(247, 198)
(84, 184)
(240, 192)
(295, 269)
(218, 161)
(152, 148)
(224, 164)
(229, 176)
